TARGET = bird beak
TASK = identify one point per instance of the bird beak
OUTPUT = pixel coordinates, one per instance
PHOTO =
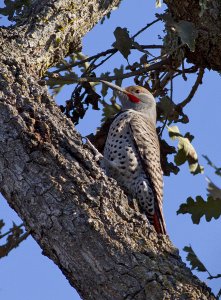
(114, 87)
(121, 92)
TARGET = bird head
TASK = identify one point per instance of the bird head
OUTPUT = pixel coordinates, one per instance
(137, 98)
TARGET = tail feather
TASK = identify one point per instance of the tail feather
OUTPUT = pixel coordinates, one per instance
(159, 223)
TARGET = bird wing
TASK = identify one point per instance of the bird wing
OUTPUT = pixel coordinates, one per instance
(146, 141)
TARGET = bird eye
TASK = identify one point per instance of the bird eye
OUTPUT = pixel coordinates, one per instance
(137, 91)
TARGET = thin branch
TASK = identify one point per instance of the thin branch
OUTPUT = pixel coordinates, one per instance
(219, 294)
(171, 98)
(211, 164)
(214, 277)
(7, 248)
(164, 81)
(162, 128)
(194, 88)
(10, 231)
(87, 71)
(103, 53)
(145, 27)
(92, 67)
(111, 52)
(190, 70)
(103, 61)
(158, 65)
(183, 71)
(171, 88)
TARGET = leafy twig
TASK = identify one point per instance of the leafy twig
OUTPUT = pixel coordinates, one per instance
(210, 163)
(68, 80)
(10, 231)
(109, 52)
(103, 53)
(158, 65)
(5, 249)
(196, 263)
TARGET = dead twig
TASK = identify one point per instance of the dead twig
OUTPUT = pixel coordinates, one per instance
(194, 88)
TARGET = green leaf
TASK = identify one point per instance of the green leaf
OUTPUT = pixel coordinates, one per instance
(194, 260)
(165, 150)
(158, 3)
(213, 190)
(174, 132)
(189, 136)
(118, 72)
(211, 208)
(104, 86)
(180, 157)
(166, 105)
(109, 111)
(8, 10)
(143, 60)
(56, 83)
(187, 32)
(91, 96)
(186, 151)
(123, 41)
(196, 263)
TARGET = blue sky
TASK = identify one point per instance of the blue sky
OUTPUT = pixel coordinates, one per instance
(26, 274)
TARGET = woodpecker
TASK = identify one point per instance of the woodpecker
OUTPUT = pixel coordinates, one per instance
(132, 152)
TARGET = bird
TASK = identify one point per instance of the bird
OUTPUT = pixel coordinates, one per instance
(132, 152)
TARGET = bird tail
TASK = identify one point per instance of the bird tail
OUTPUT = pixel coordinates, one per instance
(158, 222)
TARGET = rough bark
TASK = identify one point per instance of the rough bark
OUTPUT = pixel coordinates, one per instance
(207, 21)
(79, 217)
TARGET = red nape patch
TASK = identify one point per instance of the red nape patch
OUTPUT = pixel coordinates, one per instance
(133, 98)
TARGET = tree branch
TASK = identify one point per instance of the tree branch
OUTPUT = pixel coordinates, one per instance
(145, 28)
(103, 53)
(194, 88)
(158, 65)
(81, 219)
(207, 23)
(54, 29)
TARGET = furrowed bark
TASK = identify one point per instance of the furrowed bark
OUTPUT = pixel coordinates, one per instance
(207, 21)
(80, 218)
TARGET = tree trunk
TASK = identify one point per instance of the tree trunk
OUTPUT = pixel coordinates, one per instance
(206, 19)
(79, 217)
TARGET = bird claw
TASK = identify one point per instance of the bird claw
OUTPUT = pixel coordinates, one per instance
(97, 155)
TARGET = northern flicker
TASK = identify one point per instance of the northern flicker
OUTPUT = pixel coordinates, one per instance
(132, 153)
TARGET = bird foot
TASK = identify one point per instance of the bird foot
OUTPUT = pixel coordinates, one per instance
(97, 155)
